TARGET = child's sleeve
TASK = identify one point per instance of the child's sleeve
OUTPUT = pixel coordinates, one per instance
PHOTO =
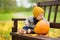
(27, 22)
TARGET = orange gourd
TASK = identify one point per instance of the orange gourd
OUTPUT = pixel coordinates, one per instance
(42, 27)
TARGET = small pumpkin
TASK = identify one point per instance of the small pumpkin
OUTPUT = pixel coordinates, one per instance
(42, 27)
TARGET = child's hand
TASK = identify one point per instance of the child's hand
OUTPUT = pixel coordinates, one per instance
(22, 31)
(26, 24)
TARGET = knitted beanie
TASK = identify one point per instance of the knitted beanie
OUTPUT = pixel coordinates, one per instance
(37, 10)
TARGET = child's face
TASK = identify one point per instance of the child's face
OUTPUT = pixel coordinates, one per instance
(40, 17)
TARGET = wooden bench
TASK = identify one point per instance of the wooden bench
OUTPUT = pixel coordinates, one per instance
(53, 24)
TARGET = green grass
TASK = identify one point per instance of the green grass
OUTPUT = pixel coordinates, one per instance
(5, 16)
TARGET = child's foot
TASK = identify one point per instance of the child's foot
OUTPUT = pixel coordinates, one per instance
(29, 31)
(22, 31)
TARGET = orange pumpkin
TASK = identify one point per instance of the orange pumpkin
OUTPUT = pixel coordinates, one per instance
(42, 27)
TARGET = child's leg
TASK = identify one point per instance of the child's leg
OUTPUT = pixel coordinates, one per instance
(25, 27)
(32, 30)
(23, 30)
(28, 29)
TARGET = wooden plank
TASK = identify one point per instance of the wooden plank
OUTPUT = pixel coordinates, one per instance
(21, 19)
(14, 29)
(55, 25)
(44, 10)
(48, 3)
(55, 16)
(23, 36)
(49, 13)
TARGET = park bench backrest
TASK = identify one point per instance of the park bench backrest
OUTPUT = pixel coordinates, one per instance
(50, 4)
(43, 4)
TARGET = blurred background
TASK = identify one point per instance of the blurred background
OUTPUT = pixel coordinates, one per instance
(19, 9)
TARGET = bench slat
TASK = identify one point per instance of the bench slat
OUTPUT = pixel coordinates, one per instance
(49, 13)
(55, 25)
(55, 16)
(20, 19)
(23, 36)
(44, 10)
(48, 3)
